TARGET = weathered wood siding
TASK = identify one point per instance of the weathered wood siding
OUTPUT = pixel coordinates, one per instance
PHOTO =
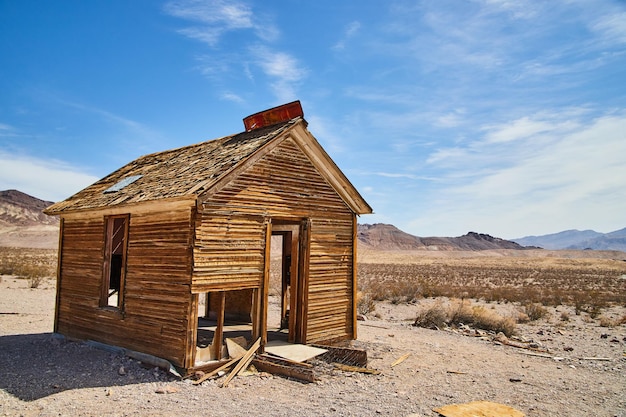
(157, 299)
(284, 185)
(228, 252)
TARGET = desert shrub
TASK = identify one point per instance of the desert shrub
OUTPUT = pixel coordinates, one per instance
(565, 316)
(535, 311)
(34, 282)
(463, 312)
(522, 317)
(588, 286)
(434, 317)
(365, 303)
(608, 322)
(490, 320)
(27, 263)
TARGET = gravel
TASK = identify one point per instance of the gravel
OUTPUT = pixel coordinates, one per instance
(578, 369)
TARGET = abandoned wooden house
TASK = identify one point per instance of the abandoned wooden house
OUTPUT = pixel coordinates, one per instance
(174, 251)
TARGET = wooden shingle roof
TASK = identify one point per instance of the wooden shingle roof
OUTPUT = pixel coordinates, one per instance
(189, 171)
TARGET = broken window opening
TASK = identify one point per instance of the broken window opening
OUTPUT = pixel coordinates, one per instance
(114, 261)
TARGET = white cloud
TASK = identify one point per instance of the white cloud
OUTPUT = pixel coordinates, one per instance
(217, 18)
(230, 14)
(51, 180)
(563, 182)
(228, 96)
(523, 128)
(283, 68)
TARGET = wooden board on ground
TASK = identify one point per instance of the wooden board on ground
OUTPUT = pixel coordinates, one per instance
(285, 368)
(243, 363)
(478, 409)
(293, 351)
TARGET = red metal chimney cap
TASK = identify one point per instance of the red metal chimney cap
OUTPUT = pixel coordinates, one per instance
(274, 115)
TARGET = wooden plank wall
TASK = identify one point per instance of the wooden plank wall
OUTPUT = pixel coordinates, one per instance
(229, 252)
(284, 185)
(155, 317)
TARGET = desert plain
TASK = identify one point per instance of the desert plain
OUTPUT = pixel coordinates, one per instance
(565, 354)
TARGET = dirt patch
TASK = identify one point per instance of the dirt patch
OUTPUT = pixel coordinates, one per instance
(578, 369)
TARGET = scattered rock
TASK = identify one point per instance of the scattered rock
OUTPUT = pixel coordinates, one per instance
(167, 389)
(121, 371)
(568, 348)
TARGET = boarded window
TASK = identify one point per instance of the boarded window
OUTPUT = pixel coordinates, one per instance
(114, 261)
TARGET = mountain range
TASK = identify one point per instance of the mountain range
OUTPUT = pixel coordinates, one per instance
(578, 239)
(388, 237)
(23, 224)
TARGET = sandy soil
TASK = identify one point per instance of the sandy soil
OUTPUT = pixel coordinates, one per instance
(581, 372)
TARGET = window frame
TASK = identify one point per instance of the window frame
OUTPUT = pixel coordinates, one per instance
(109, 252)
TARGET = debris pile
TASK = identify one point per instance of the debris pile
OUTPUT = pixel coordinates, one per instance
(301, 362)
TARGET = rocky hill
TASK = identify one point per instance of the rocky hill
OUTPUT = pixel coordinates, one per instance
(389, 237)
(23, 223)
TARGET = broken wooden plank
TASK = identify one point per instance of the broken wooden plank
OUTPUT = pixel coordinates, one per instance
(216, 371)
(243, 363)
(279, 366)
(400, 359)
(374, 325)
(235, 350)
(540, 355)
(267, 355)
(349, 368)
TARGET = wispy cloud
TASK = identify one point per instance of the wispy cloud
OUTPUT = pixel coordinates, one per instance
(221, 16)
(7, 130)
(47, 179)
(217, 17)
(134, 135)
(351, 30)
(281, 67)
(228, 96)
(611, 27)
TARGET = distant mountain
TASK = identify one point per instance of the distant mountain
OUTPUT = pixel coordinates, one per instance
(389, 237)
(23, 223)
(577, 239)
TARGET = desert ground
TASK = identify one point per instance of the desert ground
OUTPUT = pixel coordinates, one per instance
(562, 364)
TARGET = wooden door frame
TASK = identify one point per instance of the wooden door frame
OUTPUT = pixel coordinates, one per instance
(298, 230)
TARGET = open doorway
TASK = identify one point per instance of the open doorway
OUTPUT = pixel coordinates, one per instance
(284, 293)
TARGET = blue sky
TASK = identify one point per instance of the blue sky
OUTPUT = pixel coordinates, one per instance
(494, 116)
